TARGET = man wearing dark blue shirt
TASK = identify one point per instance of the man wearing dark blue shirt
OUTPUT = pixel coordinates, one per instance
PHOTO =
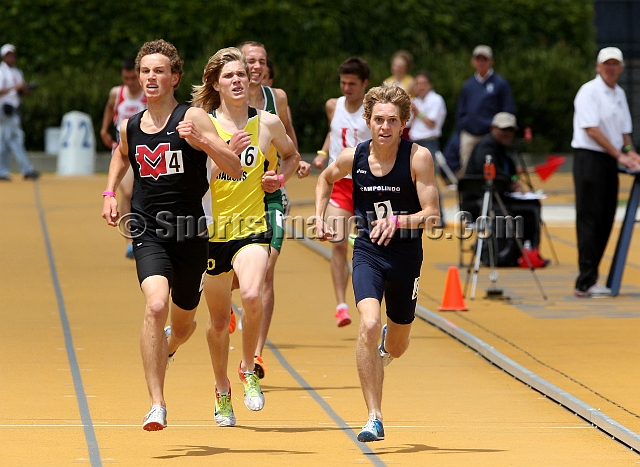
(483, 95)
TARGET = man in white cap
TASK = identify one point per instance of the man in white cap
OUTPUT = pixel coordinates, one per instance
(601, 140)
(11, 135)
(497, 144)
(483, 95)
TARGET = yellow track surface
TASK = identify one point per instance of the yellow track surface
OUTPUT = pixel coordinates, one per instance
(72, 388)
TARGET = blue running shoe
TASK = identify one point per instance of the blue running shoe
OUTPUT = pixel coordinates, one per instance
(372, 431)
(386, 356)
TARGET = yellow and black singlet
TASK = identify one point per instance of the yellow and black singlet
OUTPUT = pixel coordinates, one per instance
(238, 205)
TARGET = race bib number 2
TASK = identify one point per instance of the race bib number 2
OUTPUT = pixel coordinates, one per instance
(383, 209)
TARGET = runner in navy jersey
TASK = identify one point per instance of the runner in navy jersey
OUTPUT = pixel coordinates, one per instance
(168, 146)
(395, 198)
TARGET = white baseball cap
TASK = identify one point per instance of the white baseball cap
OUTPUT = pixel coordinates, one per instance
(6, 49)
(608, 53)
(504, 120)
(483, 50)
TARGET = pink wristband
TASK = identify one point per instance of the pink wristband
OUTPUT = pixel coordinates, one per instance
(109, 193)
(281, 177)
(395, 220)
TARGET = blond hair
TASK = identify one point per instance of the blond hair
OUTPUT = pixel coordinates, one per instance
(205, 95)
(387, 94)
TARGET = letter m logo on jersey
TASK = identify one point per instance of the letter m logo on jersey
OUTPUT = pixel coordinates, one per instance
(158, 162)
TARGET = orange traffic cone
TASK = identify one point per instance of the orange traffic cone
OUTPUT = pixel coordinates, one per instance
(452, 299)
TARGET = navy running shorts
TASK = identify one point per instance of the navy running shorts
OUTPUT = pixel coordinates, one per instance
(392, 271)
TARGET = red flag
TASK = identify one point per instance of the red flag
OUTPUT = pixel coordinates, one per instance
(546, 169)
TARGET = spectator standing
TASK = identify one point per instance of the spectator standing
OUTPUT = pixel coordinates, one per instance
(428, 113)
(11, 134)
(601, 140)
(483, 95)
(401, 64)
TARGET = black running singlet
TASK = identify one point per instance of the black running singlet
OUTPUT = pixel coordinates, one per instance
(170, 181)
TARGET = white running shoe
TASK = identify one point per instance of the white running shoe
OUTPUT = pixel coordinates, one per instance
(372, 431)
(223, 414)
(156, 419)
(597, 290)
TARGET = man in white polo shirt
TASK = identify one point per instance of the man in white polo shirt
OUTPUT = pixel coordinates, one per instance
(428, 112)
(601, 141)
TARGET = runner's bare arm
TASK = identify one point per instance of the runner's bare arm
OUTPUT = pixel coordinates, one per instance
(334, 172)
(107, 117)
(282, 104)
(117, 169)
(320, 159)
(285, 147)
(199, 131)
(422, 168)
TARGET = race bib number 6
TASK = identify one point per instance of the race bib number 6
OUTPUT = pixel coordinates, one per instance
(249, 157)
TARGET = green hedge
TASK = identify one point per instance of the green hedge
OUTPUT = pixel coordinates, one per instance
(73, 50)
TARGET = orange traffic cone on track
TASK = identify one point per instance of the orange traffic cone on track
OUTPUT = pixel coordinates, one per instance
(452, 299)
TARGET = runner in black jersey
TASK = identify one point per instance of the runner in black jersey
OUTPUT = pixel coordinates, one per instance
(168, 146)
(395, 198)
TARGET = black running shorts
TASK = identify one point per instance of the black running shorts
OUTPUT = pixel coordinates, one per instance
(222, 254)
(182, 263)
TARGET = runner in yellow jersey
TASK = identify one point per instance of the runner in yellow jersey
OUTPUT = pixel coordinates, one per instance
(240, 233)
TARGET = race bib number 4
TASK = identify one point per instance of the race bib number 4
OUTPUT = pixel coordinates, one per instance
(159, 161)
